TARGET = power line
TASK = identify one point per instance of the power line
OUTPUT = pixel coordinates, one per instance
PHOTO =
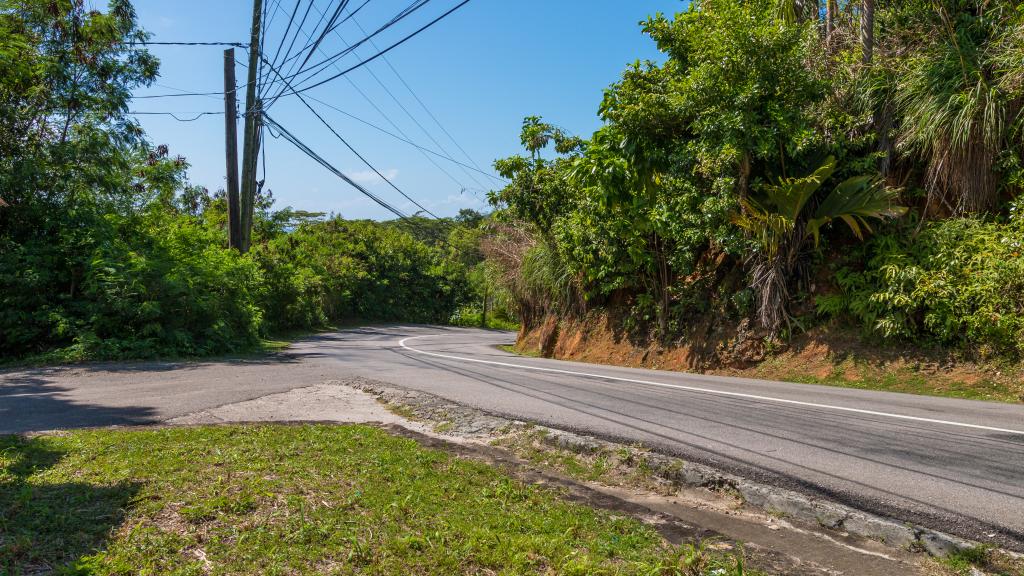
(316, 43)
(354, 151)
(235, 44)
(407, 113)
(178, 95)
(176, 89)
(426, 108)
(319, 159)
(378, 109)
(302, 50)
(400, 138)
(288, 28)
(319, 67)
(379, 54)
(336, 26)
(175, 115)
(417, 122)
(400, 131)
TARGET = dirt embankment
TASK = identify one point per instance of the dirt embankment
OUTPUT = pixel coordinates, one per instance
(821, 356)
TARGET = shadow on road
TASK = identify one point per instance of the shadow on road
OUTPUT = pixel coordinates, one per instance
(30, 401)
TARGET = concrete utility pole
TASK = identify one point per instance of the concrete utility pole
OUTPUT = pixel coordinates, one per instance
(250, 150)
(231, 149)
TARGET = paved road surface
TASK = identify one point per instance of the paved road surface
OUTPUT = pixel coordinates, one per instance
(953, 465)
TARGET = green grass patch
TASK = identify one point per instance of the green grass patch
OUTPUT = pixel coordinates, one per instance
(908, 381)
(511, 348)
(310, 499)
(272, 343)
(984, 558)
(473, 319)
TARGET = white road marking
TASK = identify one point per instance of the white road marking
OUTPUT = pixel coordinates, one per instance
(704, 390)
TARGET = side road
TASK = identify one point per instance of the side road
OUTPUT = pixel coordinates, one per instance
(946, 464)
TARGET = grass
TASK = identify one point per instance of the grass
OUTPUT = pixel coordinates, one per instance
(310, 499)
(513, 349)
(988, 560)
(905, 379)
(475, 321)
(912, 383)
(625, 467)
(270, 344)
(995, 383)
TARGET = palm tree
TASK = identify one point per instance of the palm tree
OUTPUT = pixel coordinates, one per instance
(867, 30)
(830, 20)
(794, 11)
(958, 106)
(783, 218)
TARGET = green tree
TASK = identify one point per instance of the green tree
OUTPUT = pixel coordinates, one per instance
(784, 216)
(958, 105)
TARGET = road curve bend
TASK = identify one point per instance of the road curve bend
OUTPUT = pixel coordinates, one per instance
(952, 465)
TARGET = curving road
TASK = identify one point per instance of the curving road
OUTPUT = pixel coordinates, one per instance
(953, 465)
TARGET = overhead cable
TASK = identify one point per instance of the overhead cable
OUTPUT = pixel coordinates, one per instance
(379, 54)
(319, 159)
(356, 152)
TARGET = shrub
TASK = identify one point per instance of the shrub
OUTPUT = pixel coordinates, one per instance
(169, 289)
(341, 270)
(958, 282)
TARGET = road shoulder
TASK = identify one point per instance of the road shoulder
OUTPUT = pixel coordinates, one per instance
(783, 533)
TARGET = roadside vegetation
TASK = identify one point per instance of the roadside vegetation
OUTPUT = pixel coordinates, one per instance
(780, 173)
(856, 168)
(107, 251)
(311, 499)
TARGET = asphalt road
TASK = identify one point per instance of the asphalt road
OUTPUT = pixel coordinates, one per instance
(953, 465)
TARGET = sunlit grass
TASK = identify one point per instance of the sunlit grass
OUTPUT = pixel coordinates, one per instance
(310, 499)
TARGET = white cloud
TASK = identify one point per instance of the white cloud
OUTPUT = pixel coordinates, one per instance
(464, 200)
(371, 177)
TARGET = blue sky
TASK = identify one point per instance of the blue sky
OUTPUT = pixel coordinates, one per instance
(479, 72)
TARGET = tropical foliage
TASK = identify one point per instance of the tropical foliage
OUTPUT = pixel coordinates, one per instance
(708, 195)
(708, 199)
(106, 250)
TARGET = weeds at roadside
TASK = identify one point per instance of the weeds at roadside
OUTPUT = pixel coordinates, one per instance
(988, 560)
(704, 557)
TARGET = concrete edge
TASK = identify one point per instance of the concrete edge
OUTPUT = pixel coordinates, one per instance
(787, 503)
(460, 420)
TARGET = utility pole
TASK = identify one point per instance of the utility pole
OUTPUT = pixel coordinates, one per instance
(250, 150)
(231, 149)
(487, 294)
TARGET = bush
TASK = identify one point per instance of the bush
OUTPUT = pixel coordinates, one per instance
(135, 286)
(170, 289)
(342, 270)
(960, 282)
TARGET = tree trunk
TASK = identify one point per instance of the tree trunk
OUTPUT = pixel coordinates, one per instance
(483, 316)
(744, 177)
(662, 284)
(830, 21)
(867, 30)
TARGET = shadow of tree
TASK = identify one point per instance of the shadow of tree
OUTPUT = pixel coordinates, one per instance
(30, 401)
(47, 526)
